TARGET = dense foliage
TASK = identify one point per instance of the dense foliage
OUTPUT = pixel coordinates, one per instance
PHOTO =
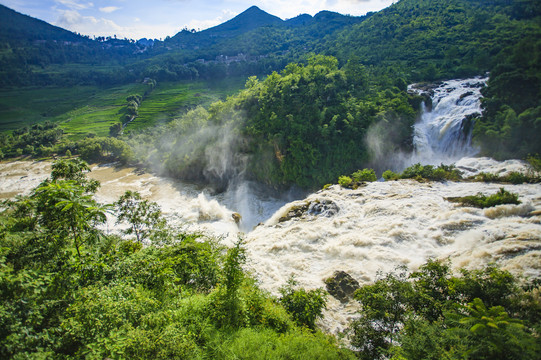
(304, 126)
(433, 314)
(37, 140)
(437, 39)
(411, 40)
(510, 125)
(425, 172)
(68, 290)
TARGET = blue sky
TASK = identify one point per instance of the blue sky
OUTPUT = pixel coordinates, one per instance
(135, 19)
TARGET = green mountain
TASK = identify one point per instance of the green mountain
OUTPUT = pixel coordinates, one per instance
(16, 28)
(378, 54)
(440, 38)
(250, 24)
(248, 20)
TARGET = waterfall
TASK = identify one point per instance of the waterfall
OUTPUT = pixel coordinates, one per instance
(443, 134)
(363, 232)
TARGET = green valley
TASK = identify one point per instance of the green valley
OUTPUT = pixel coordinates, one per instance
(201, 241)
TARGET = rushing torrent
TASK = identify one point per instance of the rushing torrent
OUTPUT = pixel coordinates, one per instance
(362, 232)
(444, 132)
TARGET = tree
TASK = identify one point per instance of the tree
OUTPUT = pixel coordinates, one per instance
(74, 169)
(304, 306)
(144, 216)
(385, 307)
(66, 208)
(492, 334)
(115, 129)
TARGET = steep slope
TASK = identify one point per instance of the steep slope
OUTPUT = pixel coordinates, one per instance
(440, 38)
(16, 28)
(250, 19)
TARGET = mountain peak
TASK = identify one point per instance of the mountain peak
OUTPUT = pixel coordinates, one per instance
(252, 9)
(249, 19)
(260, 15)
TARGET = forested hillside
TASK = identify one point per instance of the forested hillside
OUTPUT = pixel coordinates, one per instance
(276, 104)
(310, 121)
(440, 39)
(306, 125)
(434, 40)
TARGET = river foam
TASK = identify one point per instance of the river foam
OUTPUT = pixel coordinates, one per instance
(363, 232)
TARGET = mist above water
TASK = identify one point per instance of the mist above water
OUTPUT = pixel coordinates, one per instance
(363, 231)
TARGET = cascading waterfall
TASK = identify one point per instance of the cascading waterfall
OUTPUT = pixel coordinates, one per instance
(443, 133)
(363, 231)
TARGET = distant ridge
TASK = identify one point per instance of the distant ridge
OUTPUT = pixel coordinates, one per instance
(16, 27)
(254, 18)
(250, 19)
(300, 20)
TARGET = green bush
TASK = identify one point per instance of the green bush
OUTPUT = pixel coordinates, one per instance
(514, 177)
(364, 175)
(429, 172)
(483, 201)
(305, 306)
(296, 345)
(425, 172)
(390, 175)
(535, 163)
(344, 181)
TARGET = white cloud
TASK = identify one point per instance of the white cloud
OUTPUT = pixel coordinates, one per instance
(74, 4)
(226, 15)
(287, 9)
(68, 18)
(109, 9)
(90, 25)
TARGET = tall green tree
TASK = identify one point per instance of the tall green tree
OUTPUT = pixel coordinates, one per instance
(66, 208)
(143, 216)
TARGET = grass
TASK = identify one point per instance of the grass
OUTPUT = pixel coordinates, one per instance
(26, 106)
(171, 99)
(81, 110)
(103, 109)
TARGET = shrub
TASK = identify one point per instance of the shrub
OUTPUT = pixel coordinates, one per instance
(344, 181)
(389, 175)
(535, 162)
(264, 344)
(305, 306)
(514, 177)
(483, 201)
(364, 175)
(487, 177)
(429, 172)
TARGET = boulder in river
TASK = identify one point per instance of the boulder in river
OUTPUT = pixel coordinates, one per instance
(342, 286)
(236, 217)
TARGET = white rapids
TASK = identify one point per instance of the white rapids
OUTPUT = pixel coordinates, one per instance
(441, 135)
(387, 224)
(362, 232)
